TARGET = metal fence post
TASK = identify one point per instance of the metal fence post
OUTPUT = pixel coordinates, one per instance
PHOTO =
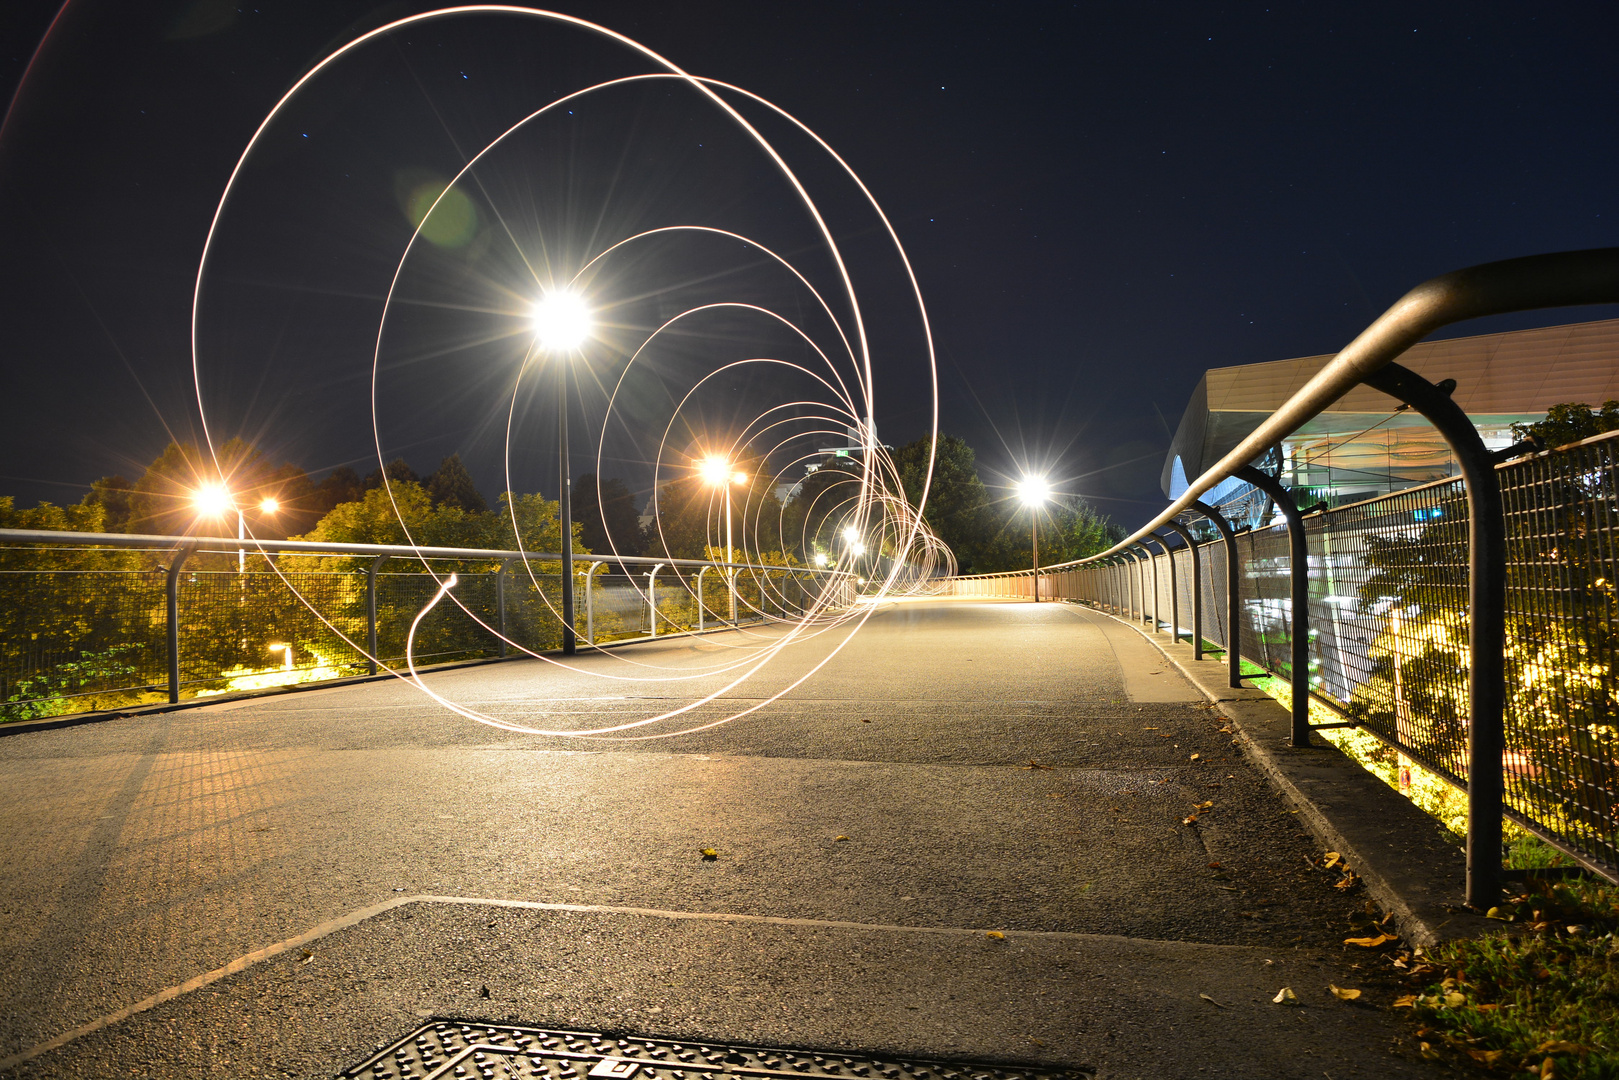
(500, 604)
(1299, 578)
(1197, 589)
(371, 610)
(702, 623)
(1233, 603)
(590, 604)
(652, 598)
(171, 591)
(1153, 558)
(1486, 623)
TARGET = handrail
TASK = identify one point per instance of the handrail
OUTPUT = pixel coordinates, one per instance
(1561, 279)
(315, 547)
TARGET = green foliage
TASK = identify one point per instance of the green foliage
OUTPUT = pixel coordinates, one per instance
(452, 486)
(691, 516)
(990, 535)
(1544, 998)
(608, 519)
(73, 686)
(1571, 422)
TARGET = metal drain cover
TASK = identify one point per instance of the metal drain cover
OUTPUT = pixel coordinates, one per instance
(457, 1049)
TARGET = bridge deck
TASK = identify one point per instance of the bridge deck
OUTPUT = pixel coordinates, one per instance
(993, 766)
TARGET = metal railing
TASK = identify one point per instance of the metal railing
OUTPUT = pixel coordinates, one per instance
(97, 620)
(1482, 650)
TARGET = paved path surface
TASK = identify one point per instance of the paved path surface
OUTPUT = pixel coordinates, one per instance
(960, 767)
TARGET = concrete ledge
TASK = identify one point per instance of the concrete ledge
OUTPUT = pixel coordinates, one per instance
(1411, 869)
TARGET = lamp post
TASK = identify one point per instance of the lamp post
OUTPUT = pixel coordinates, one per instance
(717, 472)
(1034, 491)
(215, 500)
(561, 325)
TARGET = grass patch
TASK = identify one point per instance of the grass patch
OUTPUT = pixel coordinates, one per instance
(1541, 999)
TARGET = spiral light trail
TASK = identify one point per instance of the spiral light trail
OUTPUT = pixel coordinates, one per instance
(866, 508)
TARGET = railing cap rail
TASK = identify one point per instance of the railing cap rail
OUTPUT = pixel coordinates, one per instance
(315, 547)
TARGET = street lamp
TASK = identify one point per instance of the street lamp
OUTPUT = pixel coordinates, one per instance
(215, 501)
(562, 322)
(717, 472)
(1034, 491)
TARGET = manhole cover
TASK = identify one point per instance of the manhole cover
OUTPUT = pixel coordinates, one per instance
(457, 1049)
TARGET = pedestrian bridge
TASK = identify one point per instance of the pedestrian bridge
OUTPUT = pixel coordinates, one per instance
(989, 829)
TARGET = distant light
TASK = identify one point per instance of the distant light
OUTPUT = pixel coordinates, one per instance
(857, 547)
(714, 470)
(850, 533)
(1033, 490)
(739, 478)
(211, 500)
(270, 506)
(561, 321)
(820, 558)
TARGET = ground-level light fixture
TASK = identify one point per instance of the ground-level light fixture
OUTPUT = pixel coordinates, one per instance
(286, 654)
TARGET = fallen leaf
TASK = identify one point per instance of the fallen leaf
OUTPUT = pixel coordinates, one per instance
(1370, 942)
(835, 839)
(996, 934)
(1214, 866)
(1149, 729)
(1189, 819)
(1455, 999)
(1486, 1057)
(1211, 1001)
(1343, 993)
(1348, 881)
(1560, 1047)
(1409, 1001)
(1329, 860)
(709, 854)
(1205, 805)
(1033, 764)
(1196, 756)
(1494, 913)
(1286, 996)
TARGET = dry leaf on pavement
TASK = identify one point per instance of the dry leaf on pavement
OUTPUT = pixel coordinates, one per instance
(1211, 1001)
(1286, 996)
(1370, 942)
(1343, 993)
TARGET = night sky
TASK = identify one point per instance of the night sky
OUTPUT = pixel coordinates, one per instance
(1100, 202)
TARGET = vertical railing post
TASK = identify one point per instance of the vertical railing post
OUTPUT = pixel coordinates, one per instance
(1486, 623)
(500, 606)
(371, 611)
(171, 592)
(1156, 621)
(1233, 602)
(702, 622)
(1299, 578)
(652, 598)
(590, 603)
(1196, 590)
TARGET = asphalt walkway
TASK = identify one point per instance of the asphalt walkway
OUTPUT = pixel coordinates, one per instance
(301, 878)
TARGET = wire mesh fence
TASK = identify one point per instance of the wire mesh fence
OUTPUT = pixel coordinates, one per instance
(86, 628)
(1388, 627)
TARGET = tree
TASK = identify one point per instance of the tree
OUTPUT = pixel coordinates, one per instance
(608, 520)
(111, 493)
(398, 471)
(341, 485)
(1570, 422)
(690, 516)
(161, 501)
(824, 498)
(452, 485)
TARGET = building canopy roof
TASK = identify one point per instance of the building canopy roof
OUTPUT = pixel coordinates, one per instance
(1500, 379)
